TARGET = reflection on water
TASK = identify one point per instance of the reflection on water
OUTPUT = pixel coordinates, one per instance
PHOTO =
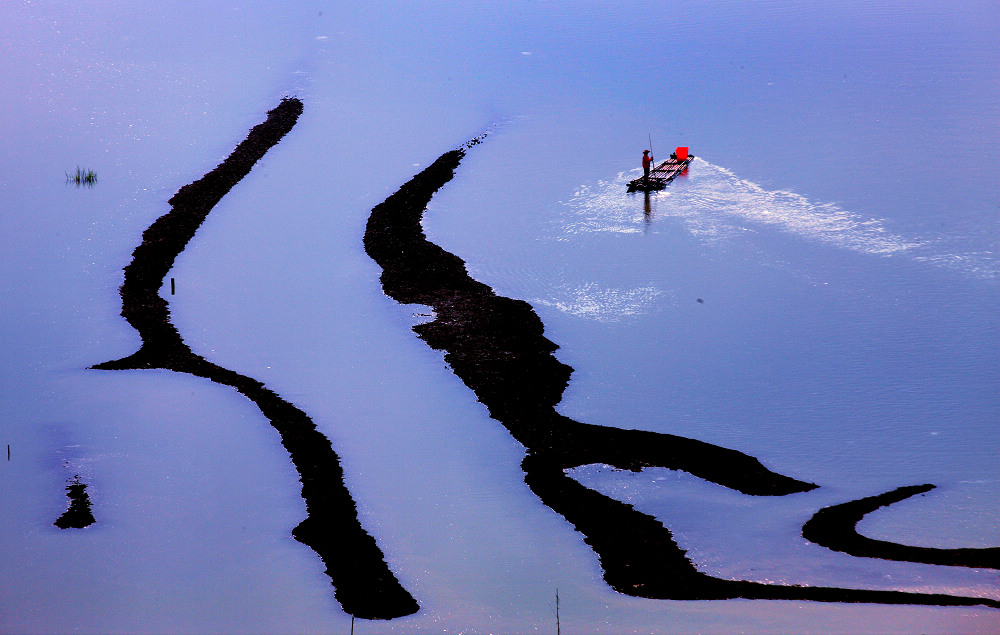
(647, 209)
(592, 301)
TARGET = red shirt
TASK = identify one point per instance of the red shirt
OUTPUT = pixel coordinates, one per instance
(646, 160)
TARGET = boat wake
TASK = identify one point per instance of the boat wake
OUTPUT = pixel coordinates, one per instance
(714, 204)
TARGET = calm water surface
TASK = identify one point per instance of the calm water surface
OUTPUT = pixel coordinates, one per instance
(840, 227)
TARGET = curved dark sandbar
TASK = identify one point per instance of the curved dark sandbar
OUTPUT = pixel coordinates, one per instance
(364, 585)
(835, 528)
(496, 346)
(79, 514)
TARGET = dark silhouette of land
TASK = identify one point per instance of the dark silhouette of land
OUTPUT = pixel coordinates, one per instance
(497, 347)
(835, 528)
(364, 585)
(79, 514)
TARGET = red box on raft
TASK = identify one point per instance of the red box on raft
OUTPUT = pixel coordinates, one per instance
(682, 153)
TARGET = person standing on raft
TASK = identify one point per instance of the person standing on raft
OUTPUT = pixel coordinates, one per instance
(647, 160)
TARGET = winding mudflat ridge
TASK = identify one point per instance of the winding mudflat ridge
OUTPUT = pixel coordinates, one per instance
(496, 346)
(835, 528)
(364, 585)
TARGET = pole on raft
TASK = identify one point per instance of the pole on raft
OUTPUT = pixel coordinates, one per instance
(652, 163)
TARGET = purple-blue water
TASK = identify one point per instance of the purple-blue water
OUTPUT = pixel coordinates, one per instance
(839, 225)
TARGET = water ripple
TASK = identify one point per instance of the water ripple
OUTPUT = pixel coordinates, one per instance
(589, 300)
(715, 204)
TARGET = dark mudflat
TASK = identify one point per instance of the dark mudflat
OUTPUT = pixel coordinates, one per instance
(496, 346)
(364, 585)
(835, 528)
(79, 514)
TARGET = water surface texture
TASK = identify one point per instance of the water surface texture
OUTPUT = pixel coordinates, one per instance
(819, 293)
(495, 345)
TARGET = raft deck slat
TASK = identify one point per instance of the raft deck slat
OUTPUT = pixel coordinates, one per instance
(659, 176)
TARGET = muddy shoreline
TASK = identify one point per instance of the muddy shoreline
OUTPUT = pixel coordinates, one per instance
(835, 527)
(364, 585)
(497, 347)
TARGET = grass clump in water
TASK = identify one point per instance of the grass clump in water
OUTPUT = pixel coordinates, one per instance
(82, 177)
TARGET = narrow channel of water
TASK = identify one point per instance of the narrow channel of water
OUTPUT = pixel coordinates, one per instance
(828, 363)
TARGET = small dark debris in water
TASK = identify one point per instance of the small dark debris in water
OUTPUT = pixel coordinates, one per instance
(78, 515)
(700, 301)
(474, 141)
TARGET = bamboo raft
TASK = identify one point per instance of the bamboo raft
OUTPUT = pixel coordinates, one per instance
(659, 176)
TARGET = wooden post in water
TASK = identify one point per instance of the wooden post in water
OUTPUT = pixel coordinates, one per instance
(171, 286)
(558, 627)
